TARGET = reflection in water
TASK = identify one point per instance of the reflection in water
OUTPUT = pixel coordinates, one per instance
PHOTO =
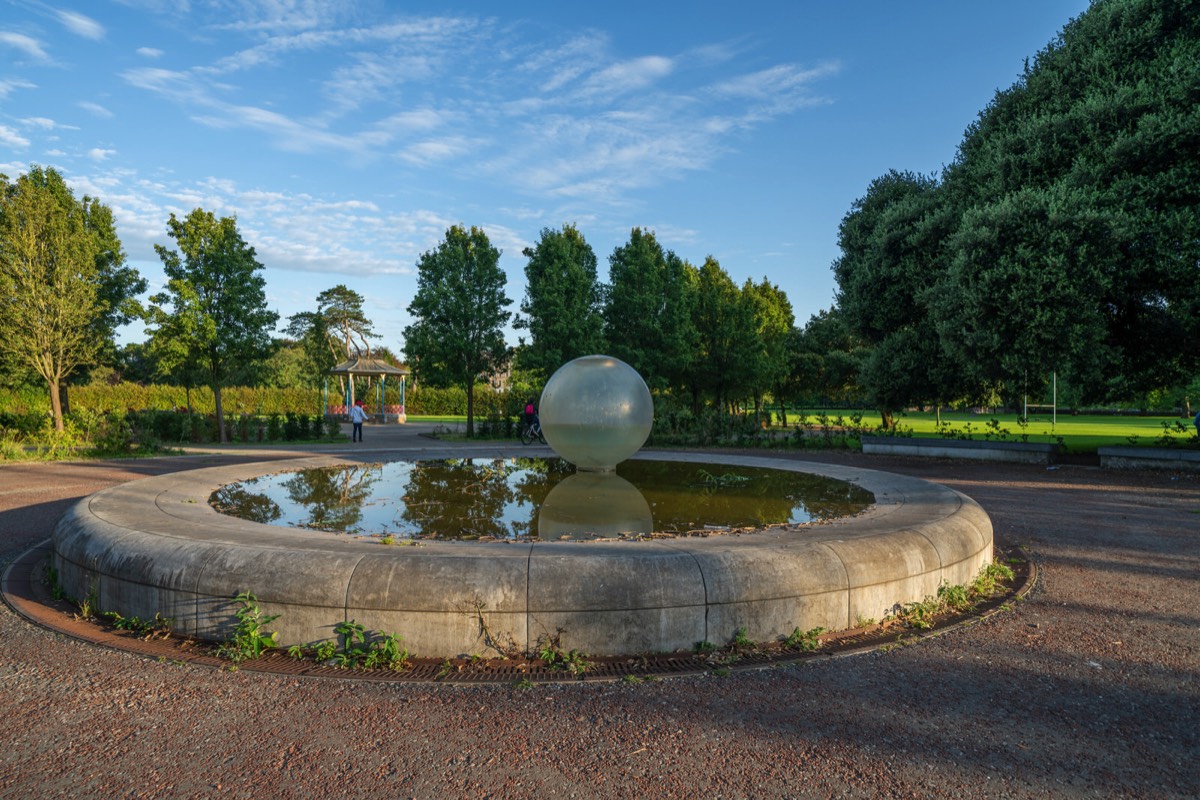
(534, 498)
(594, 505)
(335, 498)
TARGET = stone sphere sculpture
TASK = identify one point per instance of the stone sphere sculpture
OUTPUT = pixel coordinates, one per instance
(596, 412)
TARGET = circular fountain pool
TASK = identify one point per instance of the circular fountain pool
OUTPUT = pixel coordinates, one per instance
(156, 546)
(519, 499)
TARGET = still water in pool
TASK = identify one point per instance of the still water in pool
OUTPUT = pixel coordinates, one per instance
(537, 499)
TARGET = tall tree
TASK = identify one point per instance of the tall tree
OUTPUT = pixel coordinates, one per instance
(54, 313)
(562, 304)
(891, 258)
(648, 311)
(459, 314)
(725, 330)
(1079, 193)
(773, 325)
(219, 317)
(346, 322)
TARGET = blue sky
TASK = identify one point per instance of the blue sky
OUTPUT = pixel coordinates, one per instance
(348, 135)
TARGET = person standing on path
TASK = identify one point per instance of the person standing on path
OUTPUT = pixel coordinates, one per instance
(357, 416)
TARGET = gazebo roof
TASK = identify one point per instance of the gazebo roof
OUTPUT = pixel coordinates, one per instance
(366, 366)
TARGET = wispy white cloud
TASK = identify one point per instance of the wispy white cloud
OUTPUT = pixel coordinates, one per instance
(45, 124)
(25, 44)
(562, 65)
(626, 77)
(81, 25)
(274, 16)
(778, 90)
(431, 151)
(578, 121)
(8, 86)
(95, 109)
(100, 154)
(150, 52)
(12, 138)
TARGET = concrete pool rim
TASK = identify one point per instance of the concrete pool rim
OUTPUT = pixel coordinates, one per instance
(155, 546)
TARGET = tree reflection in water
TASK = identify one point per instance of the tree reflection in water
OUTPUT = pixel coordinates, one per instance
(334, 496)
(237, 499)
(500, 498)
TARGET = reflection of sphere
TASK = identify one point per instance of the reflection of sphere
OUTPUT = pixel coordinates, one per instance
(596, 411)
(593, 504)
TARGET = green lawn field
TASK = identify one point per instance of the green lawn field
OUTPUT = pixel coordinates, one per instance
(1079, 433)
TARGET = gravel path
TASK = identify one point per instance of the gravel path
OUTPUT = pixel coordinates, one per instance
(1089, 688)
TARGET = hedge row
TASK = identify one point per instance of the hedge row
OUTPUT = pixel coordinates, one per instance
(103, 398)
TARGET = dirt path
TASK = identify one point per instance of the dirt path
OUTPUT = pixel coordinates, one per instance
(1090, 688)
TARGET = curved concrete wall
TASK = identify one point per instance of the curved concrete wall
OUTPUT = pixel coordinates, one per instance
(155, 546)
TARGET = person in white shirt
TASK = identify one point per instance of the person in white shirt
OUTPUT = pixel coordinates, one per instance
(357, 416)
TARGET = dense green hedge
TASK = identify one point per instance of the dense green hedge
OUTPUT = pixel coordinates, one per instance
(103, 398)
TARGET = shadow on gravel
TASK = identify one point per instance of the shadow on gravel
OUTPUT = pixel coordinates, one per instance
(22, 528)
(955, 710)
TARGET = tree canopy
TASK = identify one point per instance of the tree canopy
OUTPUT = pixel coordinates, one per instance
(458, 314)
(337, 331)
(1062, 238)
(63, 283)
(218, 316)
(648, 311)
(562, 304)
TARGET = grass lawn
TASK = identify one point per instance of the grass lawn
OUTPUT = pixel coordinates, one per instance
(1082, 433)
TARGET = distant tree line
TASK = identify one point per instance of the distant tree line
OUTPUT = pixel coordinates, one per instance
(1063, 239)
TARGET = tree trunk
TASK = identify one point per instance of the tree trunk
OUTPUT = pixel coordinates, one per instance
(56, 406)
(470, 409)
(222, 436)
(782, 413)
(887, 418)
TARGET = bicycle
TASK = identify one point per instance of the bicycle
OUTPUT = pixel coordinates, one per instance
(531, 431)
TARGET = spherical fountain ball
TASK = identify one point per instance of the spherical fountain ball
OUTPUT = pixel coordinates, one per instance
(596, 412)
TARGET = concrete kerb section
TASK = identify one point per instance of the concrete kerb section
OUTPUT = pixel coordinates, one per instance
(155, 546)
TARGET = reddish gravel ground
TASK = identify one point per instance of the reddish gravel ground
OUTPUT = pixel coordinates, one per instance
(1089, 688)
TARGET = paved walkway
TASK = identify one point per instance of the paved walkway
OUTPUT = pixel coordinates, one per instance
(1089, 688)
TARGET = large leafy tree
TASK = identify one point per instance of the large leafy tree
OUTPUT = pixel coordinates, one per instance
(1079, 190)
(1061, 239)
(648, 311)
(889, 271)
(213, 313)
(63, 283)
(562, 304)
(457, 337)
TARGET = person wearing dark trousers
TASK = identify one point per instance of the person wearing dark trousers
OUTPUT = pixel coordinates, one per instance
(357, 417)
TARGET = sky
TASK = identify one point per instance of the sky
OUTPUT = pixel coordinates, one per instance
(347, 136)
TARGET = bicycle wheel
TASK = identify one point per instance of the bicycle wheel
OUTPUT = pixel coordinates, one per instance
(526, 435)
